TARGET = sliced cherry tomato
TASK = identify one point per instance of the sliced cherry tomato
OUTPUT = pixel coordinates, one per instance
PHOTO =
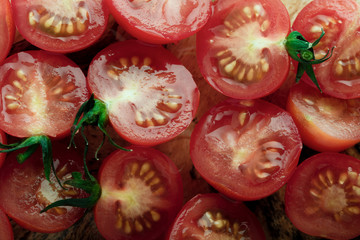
(246, 149)
(141, 194)
(325, 123)
(151, 97)
(210, 216)
(322, 197)
(6, 231)
(40, 94)
(339, 76)
(160, 21)
(7, 29)
(60, 26)
(24, 191)
(241, 50)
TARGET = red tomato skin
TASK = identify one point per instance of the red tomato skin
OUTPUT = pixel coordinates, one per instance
(56, 110)
(122, 113)
(6, 231)
(297, 198)
(186, 226)
(3, 140)
(342, 36)
(229, 156)
(151, 27)
(278, 59)
(7, 29)
(21, 182)
(315, 133)
(98, 17)
(111, 174)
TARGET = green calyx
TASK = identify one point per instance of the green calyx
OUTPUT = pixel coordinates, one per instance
(32, 144)
(94, 113)
(302, 51)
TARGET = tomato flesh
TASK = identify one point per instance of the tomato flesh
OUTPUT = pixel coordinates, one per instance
(210, 216)
(339, 75)
(24, 191)
(40, 94)
(60, 26)
(7, 29)
(246, 149)
(151, 97)
(322, 197)
(160, 21)
(325, 123)
(141, 194)
(241, 50)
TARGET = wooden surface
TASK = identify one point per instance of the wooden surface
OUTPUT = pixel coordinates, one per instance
(270, 210)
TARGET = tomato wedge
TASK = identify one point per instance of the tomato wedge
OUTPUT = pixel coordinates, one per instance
(246, 149)
(24, 191)
(322, 197)
(40, 94)
(60, 26)
(150, 96)
(325, 123)
(7, 29)
(160, 21)
(141, 194)
(6, 231)
(339, 76)
(210, 216)
(241, 51)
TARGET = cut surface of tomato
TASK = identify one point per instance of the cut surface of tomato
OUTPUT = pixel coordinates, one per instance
(60, 26)
(338, 76)
(325, 123)
(24, 191)
(160, 21)
(211, 217)
(246, 149)
(40, 94)
(241, 51)
(141, 194)
(322, 197)
(151, 97)
(7, 29)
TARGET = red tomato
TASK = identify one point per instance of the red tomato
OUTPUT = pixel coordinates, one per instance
(246, 149)
(151, 97)
(6, 231)
(325, 123)
(241, 51)
(141, 194)
(24, 191)
(60, 26)
(322, 197)
(7, 29)
(3, 140)
(339, 76)
(160, 21)
(40, 94)
(210, 216)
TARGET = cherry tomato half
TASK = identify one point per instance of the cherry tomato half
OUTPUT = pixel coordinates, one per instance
(7, 29)
(322, 197)
(24, 191)
(325, 123)
(246, 149)
(338, 76)
(6, 231)
(141, 194)
(160, 21)
(40, 94)
(210, 216)
(241, 51)
(151, 97)
(60, 26)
